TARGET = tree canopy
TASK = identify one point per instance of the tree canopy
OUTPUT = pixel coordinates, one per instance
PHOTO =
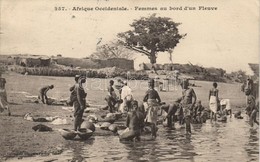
(151, 35)
(112, 50)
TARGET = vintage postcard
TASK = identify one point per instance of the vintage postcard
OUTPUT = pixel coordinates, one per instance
(113, 80)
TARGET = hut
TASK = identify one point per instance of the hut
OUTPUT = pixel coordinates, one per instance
(32, 60)
(121, 63)
(45, 61)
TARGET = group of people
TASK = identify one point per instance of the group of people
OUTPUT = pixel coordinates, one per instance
(218, 107)
(123, 101)
(77, 98)
(186, 109)
(139, 116)
(146, 114)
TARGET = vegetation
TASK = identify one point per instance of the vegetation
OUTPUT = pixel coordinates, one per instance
(90, 73)
(112, 50)
(237, 76)
(151, 35)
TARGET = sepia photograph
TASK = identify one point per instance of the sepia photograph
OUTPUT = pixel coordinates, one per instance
(114, 80)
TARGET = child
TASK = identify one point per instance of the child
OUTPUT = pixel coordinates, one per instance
(199, 112)
(171, 110)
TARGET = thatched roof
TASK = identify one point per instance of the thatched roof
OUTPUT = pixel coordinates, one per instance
(254, 68)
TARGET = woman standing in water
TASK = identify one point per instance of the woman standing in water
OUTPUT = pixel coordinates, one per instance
(153, 100)
(213, 101)
(80, 102)
(189, 99)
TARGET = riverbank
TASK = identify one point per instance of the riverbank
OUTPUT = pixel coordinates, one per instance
(19, 140)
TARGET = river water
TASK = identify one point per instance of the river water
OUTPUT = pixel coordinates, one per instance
(233, 141)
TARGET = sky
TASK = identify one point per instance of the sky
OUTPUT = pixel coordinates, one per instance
(226, 38)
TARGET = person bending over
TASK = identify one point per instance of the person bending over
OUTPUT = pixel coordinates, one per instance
(43, 93)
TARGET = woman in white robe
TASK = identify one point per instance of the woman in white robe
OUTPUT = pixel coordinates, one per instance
(127, 97)
(213, 101)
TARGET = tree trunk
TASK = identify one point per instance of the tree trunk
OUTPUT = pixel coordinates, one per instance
(152, 57)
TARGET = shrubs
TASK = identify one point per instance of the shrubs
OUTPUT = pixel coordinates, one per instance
(90, 73)
(110, 72)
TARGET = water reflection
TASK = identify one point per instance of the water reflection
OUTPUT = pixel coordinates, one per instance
(143, 151)
(77, 153)
(77, 150)
(253, 145)
(230, 141)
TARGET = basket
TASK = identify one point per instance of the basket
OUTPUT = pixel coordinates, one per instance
(68, 134)
(84, 133)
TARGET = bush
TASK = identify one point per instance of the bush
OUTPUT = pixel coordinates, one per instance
(90, 73)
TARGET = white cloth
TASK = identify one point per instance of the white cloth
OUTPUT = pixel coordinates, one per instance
(213, 104)
(122, 107)
(126, 95)
(153, 107)
(59, 121)
(146, 106)
(226, 102)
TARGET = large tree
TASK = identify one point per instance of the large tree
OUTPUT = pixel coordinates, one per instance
(112, 50)
(151, 35)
